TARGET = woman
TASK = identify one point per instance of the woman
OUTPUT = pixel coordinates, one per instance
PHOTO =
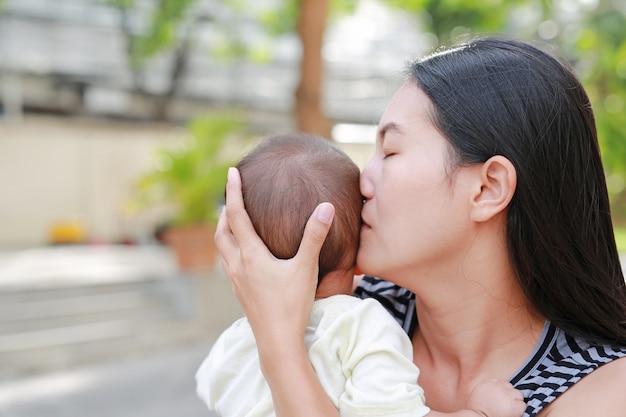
(486, 200)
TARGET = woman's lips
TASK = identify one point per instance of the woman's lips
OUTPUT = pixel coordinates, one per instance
(364, 223)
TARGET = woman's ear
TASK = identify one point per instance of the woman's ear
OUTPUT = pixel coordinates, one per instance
(498, 180)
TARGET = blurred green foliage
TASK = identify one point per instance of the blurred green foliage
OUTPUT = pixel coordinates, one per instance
(600, 53)
(161, 32)
(590, 34)
(282, 19)
(192, 173)
(620, 239)
(447, 18)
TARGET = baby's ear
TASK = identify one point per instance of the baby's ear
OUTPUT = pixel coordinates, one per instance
(498, 180)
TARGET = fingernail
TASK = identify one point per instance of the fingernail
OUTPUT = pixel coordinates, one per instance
(231, 172)
(325, 213)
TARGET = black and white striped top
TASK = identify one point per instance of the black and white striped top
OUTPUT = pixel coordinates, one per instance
(558, 362)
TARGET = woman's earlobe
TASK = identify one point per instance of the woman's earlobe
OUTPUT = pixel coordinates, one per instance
(498, 179)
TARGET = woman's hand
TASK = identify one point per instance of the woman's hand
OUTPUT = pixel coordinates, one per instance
(276, 295)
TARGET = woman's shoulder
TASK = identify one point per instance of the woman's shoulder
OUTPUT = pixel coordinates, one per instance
(559, 362)
(599, 393)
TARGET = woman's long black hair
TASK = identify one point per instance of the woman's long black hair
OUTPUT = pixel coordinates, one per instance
(503, 97)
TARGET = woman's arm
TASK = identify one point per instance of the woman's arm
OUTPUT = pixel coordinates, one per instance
(277, 297)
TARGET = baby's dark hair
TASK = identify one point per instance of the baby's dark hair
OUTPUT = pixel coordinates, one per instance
(284, 178)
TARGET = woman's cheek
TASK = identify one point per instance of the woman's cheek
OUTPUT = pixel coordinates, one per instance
(366, 258)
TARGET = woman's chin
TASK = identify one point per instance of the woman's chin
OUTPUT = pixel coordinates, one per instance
(363, 265)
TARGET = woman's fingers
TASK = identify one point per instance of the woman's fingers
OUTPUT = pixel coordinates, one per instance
(238, 226)
(315, 233)
(238, 220)
(225, 241)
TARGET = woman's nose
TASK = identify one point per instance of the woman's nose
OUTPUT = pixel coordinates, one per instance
(365, 182)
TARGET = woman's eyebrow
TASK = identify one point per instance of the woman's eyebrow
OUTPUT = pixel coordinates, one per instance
(388, 127)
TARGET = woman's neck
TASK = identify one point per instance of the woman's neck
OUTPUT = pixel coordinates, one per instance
(474, 330)
(475, 323)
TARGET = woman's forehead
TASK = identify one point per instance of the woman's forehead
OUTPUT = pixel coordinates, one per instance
(409, 105)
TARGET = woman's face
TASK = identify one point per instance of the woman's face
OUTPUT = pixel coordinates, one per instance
(415, 213)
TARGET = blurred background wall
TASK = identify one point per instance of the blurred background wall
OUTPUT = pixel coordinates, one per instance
(90, 87)
(79, 120)
(55, 171)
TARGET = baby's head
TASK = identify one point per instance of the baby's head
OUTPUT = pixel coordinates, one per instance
(284, 178)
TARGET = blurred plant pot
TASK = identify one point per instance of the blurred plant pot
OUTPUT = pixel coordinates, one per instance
(193, 246)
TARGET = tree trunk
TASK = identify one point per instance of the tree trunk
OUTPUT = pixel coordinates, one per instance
(179, 67)
(310, 27)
